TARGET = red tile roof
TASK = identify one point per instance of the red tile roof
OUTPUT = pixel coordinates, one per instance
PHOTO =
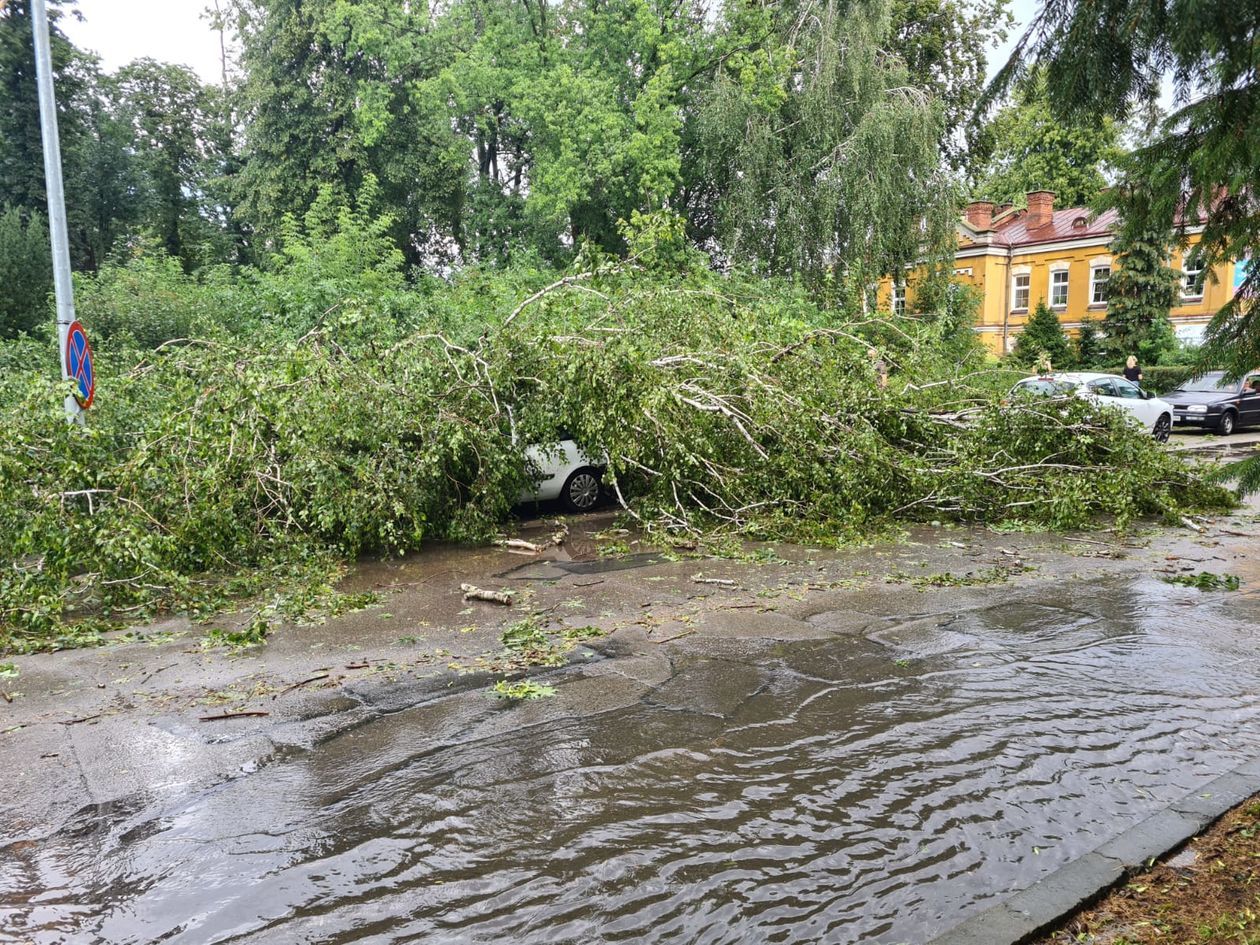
(1068, 224)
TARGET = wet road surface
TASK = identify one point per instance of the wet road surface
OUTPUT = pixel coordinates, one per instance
(875, 779)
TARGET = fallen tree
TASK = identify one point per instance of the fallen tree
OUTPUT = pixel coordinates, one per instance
(214, 467)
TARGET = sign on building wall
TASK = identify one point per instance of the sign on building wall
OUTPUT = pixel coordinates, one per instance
(1241, 270)
(1190, 334)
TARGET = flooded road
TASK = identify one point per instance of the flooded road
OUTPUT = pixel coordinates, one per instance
(876, 784)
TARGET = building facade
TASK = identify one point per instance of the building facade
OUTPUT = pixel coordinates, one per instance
(1017, 258)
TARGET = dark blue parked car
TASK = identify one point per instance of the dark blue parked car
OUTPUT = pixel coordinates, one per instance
(1209, 401)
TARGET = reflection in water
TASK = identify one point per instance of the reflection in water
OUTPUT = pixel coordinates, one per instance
(847, 790)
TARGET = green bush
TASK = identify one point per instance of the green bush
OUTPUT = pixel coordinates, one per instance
(1043, 338)
(1090, 350)
(143, 302)
(337, 264)
(25, 273)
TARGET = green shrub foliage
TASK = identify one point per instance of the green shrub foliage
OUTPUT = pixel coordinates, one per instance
(1043, 339)
(720, 403)
(1090, 351)
(25, 273)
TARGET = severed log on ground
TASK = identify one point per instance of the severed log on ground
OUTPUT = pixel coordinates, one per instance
(536, 547)
(472, 592)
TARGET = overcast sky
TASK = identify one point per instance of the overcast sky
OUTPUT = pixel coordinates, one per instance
(175, 31)
(167, 30)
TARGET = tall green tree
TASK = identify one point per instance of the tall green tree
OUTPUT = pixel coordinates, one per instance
(95, 147)
(496, 126)
(104, 180)
(1043, 338)
(550, 123)
(1027, 146)
(297, 105)
(1140, 294)
(25, 271)
(828, 164)
(21, 154)
(945, 45)
(167, 112)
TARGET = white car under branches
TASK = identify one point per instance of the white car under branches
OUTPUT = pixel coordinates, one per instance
(1107, 390)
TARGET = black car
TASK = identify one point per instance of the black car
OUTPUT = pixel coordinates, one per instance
(1209, 401)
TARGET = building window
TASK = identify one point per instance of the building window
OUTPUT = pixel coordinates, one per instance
(899, 298)
(1058, 288)
(1098, 277)
(1021, 292)
(1192, 276)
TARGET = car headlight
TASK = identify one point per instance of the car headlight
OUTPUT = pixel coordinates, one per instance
(1197, 408)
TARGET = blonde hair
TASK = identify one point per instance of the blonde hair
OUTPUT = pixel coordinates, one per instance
(1132, 362)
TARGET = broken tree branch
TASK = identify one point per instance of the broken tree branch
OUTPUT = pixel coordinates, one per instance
(232, 715)
(472, 592)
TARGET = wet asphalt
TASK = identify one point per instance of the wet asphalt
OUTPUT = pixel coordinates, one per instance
(864, 745)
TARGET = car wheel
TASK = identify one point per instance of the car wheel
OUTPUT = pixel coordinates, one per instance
(581, 490)
(1163, 428)
(1225, 425)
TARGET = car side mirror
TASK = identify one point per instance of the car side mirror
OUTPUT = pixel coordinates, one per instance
(1147, 395)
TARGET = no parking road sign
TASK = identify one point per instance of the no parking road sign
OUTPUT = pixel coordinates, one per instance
(79, 364)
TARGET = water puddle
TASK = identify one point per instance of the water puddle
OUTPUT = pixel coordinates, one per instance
(856, 789)
(549, 569)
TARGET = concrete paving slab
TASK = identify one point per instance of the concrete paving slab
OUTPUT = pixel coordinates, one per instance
(1066, 889)
(1219, 796)
(995, 926)
(1152, 838)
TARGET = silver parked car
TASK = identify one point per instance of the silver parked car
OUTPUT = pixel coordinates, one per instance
(565, 473)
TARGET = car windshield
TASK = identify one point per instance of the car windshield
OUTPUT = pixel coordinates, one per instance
(1046, 387)
(1208, 383)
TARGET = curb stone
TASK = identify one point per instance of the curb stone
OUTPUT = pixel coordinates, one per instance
(1022, 916)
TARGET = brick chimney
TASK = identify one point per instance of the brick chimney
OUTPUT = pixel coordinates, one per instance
(1040, 208)
(979, 215)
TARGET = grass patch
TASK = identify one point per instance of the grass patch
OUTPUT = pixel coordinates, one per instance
(1214, 900)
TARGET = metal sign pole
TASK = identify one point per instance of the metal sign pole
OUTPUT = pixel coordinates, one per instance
(62, 285)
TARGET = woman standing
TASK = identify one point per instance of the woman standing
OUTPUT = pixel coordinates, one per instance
(1131, 370)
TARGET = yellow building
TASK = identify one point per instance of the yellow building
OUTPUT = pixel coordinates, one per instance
(1018, 258)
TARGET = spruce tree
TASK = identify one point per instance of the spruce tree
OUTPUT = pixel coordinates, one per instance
(1043, 339)
(1089, 346)
(1139, 296)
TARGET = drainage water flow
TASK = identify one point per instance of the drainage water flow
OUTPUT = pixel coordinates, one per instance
(857, 789)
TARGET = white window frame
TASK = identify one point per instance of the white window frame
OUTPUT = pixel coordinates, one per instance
(1055, 285)
(1095, 284)
(1190, 276)
(1016, 288)
(898, 297)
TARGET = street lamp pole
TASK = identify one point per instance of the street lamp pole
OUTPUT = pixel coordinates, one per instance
(62, 286)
